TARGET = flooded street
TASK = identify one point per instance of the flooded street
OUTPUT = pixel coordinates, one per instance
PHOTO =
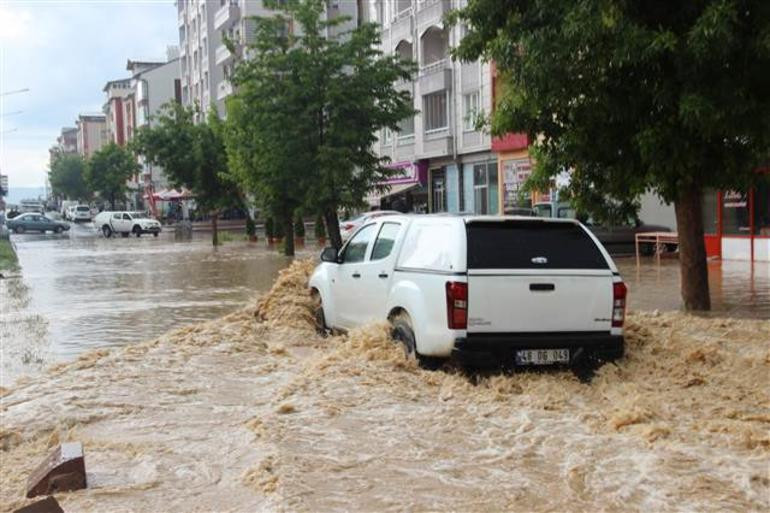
(255, 412)
(80, 291)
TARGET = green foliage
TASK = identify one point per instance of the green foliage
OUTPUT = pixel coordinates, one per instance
(8, 259)
(192, 155)
(108, 170)
(307, 108)
(67, 177)
(629, 96)
(320, 229)
(299, 226)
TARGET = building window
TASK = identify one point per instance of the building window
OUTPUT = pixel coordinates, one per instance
(434, 111)
(461, 185)
(438, 190)
(485, 188)
(387, 135)
(470, 110)
(406, 127)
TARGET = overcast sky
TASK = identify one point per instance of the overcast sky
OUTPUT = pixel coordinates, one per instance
(65, 51)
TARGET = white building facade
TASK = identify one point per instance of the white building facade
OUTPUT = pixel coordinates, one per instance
(205, 62)
(447, 162)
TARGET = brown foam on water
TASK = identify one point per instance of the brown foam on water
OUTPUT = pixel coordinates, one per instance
(255, 412)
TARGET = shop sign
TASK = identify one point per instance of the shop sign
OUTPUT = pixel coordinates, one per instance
(515, 174)
(735, 199)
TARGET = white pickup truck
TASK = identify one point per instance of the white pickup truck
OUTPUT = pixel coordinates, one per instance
(486, 290)
(125, 223)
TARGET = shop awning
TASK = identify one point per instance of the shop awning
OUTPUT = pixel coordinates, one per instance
(172, 195)
(374, 198)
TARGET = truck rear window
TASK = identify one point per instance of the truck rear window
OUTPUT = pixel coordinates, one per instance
(531, 245)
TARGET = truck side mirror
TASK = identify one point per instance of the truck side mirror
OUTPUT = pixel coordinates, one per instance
(329, 255)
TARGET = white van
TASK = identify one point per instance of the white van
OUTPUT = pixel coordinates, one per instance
(79, 213)
(491, 289)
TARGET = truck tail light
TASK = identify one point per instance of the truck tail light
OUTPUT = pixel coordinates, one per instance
(619, 292)
(457, 305)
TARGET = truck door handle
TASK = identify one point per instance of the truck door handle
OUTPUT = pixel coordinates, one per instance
(383, 275)
(542, 287)
(356, 275)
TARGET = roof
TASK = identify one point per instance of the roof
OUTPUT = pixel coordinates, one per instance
(123, 83)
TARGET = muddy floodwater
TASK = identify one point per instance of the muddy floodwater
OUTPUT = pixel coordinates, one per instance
(79, 292)
(196, 384)
(255, 412)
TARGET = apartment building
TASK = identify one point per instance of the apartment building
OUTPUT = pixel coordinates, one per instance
(117, 109)
(153, 84)
(67, 142)
(448, 164)
(198, 41)
(93, 133)
(204, 25)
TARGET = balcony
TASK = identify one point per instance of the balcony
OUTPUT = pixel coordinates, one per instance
(436, 76)
(436, 143)
(227, 13)
(402, 26)
(181, 16)
(221, 54)
(431, 12)
(224, 89)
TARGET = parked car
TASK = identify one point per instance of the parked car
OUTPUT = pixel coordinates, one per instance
(79, 213)
(347, 228)
(126, 223)
(485, 289)
(35, 223)
(617, 239)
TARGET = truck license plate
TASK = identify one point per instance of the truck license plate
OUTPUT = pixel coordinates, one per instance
(542, 356)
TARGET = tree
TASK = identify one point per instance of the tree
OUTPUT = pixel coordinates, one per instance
(108, 170)
(67, 177)
(672, 97)
(192, 156)
(320, 100)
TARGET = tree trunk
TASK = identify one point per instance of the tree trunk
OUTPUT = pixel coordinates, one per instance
(288, 234)
(333, 228)
(214, 229)
(692, 249)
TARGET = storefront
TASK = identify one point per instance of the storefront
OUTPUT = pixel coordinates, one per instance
(513, 168)
(737, 223)
(470, 186)
(406, 192)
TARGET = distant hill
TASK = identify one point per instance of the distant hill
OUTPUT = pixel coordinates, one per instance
(16, 194)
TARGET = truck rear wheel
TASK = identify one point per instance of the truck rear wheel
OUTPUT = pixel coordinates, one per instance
(318, 314)
(106, 231)
(401, 331)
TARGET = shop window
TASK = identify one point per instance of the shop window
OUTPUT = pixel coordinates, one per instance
(762, 207)
(709, 207)
(434, 111)
(485, 188)
(735, 213)
(438, 190)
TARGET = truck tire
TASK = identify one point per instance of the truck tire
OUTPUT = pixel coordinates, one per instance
(401, 331)
(318, 313)
(137, 231)
(106, 231)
